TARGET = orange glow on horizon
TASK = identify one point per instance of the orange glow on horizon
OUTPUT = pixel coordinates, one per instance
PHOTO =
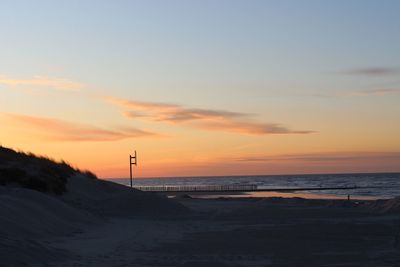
(210, 154)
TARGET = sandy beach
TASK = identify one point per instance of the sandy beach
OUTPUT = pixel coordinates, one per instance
(99, 223)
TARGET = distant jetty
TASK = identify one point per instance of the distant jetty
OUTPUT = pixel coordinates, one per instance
(232, 188)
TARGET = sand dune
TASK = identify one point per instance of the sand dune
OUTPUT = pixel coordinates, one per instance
(41, 200)
(28, 218)
(111, 199)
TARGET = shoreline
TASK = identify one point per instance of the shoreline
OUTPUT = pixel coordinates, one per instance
(252, 175)
(304, 195)
(358, 186)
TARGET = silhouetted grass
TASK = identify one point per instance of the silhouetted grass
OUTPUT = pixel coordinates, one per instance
(36, 172)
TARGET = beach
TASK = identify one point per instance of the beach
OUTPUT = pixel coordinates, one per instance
(245, 232)
(98, 223)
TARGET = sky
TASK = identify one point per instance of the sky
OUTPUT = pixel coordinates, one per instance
(221, 87)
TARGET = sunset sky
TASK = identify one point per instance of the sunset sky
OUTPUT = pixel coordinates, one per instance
(203, 87)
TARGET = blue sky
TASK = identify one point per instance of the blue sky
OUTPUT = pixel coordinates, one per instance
(306, 64)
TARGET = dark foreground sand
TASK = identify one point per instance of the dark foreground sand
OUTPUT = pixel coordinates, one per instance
(210, 232)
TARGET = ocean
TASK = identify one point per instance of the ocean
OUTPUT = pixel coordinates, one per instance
(375, 185)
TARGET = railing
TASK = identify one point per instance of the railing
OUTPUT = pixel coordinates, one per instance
(234, 188)
(197, 188)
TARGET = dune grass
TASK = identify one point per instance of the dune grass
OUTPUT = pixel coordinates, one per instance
(36, 172)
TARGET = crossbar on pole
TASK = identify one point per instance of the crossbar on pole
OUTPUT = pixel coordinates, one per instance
(130, 165)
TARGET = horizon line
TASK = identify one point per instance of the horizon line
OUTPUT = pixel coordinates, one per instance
(252, 175)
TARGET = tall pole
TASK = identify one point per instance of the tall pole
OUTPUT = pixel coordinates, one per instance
(130, 168)
(130, 165)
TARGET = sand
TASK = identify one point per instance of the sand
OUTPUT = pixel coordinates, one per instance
(103, 224)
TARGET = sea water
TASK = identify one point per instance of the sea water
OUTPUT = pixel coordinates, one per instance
(377, 185)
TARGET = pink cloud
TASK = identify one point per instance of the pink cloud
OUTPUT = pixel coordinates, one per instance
(204, 119)
(56, 129)
(42, 81)
(324, 157)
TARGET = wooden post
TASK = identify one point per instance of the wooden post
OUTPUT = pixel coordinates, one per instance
(130, 168)
(130, 165)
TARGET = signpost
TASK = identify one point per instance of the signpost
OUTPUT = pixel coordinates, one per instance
(132, 161)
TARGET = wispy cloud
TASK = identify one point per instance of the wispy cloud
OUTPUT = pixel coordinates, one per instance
(43, 81)
(170, 112)
(141, 105)
(372, 71)
(184, 114)
(206, 119)
(254, 128)
(376, 92)
(323, 157)
(358, 93)
(55, 129)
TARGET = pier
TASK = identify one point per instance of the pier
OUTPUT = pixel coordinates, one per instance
(231, 188)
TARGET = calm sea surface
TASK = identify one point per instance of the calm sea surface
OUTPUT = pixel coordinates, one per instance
(381, 185)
